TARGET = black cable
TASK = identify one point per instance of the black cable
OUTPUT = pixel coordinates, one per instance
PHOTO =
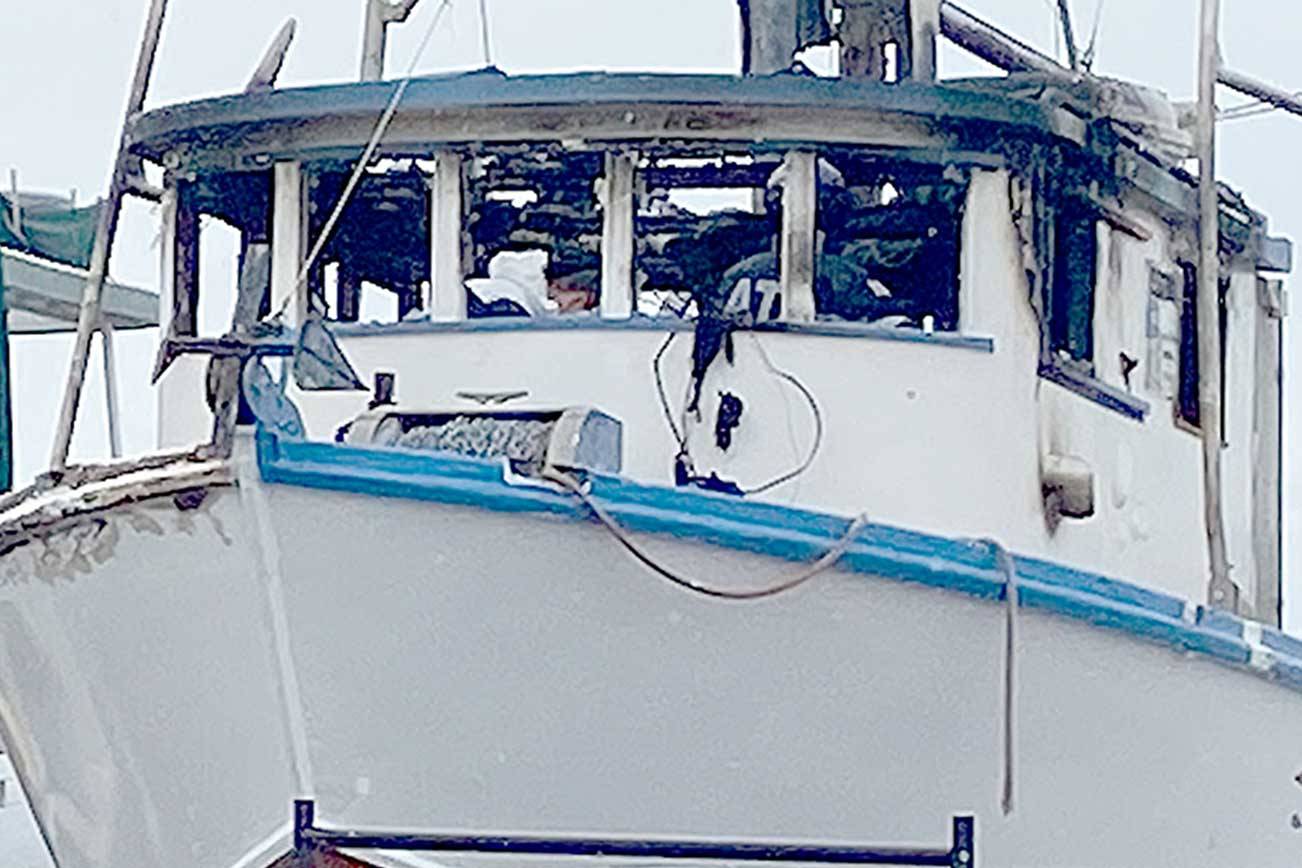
(818, 424)
(830, 557)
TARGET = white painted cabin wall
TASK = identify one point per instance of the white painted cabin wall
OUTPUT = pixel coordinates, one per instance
(1238, 464)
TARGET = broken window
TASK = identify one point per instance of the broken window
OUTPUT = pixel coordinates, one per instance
(218, 218)
(702, 216)
(534, 227)
(375, 264)
(886, 244)
(888, 241)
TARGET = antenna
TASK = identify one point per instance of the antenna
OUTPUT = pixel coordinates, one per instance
(1068, 35)
(485, 33)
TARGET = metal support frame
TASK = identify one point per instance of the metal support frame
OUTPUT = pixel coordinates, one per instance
(379, 15)
(1221, 590)
(111, 389)
(310, 838)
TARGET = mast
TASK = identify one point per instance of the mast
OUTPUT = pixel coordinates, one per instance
(1221, 590)
(379, 15)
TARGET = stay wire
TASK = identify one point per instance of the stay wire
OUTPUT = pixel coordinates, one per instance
(695, 586)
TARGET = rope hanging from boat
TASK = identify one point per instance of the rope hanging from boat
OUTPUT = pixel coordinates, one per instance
(1008, 568)
(381, 127)
(824, 563)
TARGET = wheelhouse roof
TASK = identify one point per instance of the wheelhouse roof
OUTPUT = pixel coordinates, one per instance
(963, 120)
(477, 106)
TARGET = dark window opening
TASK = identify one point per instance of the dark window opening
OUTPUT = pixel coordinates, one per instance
(1071, 287)
(1188, 405)
(375, 264)
(534, 223)
(702, 215)
(888, 242)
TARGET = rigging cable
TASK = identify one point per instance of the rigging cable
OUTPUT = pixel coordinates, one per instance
(830, 557)
(360, 169)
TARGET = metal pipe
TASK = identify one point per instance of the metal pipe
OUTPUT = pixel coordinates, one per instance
(268, 69)
(308, 837)
(111, 389)
(89, 316)
(15, 205)
(1221, 590)
(485, 33)
(1068, 35)
(379, 15)
(994, 45)
(1258, 89)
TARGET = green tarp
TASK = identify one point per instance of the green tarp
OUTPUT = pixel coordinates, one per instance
(49, 227)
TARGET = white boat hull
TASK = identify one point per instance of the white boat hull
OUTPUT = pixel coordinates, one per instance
(173, 679)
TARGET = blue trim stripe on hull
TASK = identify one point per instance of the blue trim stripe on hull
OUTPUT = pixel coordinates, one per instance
(967, 566)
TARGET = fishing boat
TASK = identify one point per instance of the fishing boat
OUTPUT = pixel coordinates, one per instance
(858, 469)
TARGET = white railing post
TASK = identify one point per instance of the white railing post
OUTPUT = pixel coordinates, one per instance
(447, 268)
(617, 242)
(799, 225)
(288, 293)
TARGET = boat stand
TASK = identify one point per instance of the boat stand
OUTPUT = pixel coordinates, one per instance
(310, 839)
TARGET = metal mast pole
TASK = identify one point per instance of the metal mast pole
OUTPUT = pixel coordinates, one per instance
(88, 319)
(1221, 590)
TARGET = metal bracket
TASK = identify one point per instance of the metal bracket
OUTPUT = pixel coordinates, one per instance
(310, 838)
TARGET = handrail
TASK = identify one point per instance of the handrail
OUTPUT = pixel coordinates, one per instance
(308, 837)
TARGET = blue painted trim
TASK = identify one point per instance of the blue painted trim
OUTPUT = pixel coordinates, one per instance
(640, 323)
(784, 532)
(1097, 391)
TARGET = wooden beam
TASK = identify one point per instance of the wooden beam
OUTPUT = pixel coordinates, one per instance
(617, 242)
(89, 317)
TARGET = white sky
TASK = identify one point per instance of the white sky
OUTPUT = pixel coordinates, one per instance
(68, 62)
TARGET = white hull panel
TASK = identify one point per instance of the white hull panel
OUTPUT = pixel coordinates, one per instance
(425, 665)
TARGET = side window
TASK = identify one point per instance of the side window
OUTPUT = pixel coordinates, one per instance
(375, 265)
(1071, 288)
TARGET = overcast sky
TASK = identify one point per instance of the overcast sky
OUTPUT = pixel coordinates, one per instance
(68, 62)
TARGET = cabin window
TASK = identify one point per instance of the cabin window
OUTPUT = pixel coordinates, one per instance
(888, 241)
(533, 228)
(701, 221)
(1071, 287)
(218, 218)
(375, 265)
